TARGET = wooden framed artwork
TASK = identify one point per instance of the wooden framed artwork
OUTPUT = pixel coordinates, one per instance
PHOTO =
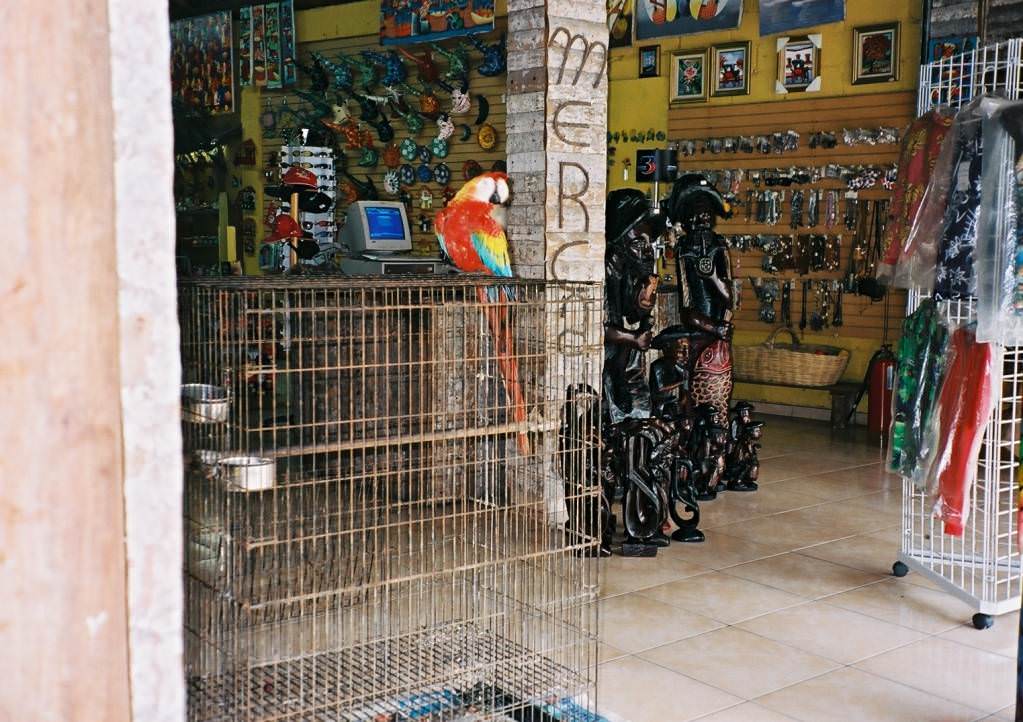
(876, 54)
(688, 76)
(731, 69)
(650, 61)
(799, 62)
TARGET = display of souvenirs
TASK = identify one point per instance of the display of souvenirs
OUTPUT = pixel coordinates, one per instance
(416, 21)
(266, 45)
(202, 62)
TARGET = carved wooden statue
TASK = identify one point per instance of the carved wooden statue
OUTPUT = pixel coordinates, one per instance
(742, 466)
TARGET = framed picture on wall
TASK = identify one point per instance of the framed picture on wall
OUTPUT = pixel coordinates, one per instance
(650, 61)
(688, 76)
(799, 62)
(876, 51)
(731, 69)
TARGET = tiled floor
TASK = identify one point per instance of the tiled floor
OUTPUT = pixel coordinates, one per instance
(789, 611)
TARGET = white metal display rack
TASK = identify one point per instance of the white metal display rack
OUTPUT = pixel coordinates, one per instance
(982, 567)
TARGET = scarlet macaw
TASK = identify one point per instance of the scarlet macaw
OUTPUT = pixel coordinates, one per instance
(470, 230)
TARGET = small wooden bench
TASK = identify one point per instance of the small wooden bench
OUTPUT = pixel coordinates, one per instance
(843, 396)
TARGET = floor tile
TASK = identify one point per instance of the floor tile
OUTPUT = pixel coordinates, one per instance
(807, 527)
(605, 653)
(866, 552)
(620, 575)
(746, 712)
(739, 662)
(640, 691)
(831, 632)
(722, 597)
(1002, 638)
(731, 507)
(945, 669)
(633, 623)
(850, 694)
(1009, 713)
(793, 465)
(908, 605)
(721, 550)
(803, 575)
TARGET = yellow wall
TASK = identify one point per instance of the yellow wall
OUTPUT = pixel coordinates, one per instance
(643, 103)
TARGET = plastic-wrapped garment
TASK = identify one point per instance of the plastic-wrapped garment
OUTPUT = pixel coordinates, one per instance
(920, 367)
(960, 416)
(954, 272)
(999, 258)
(920, 145)
(916, 265)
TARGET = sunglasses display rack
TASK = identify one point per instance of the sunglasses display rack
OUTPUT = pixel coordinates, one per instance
(321, 227)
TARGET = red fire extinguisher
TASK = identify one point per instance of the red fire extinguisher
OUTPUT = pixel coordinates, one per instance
(881, 385)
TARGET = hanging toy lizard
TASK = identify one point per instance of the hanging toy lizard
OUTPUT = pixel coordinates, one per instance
(394, 69)
(458, 61)
(428, 70)
(340, 72)
(494, 62)
(470, 230)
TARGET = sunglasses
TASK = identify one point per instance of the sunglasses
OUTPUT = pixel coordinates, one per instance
(308, 225)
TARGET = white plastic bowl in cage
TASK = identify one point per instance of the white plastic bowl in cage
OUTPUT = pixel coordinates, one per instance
(248, 473)
(204, 403)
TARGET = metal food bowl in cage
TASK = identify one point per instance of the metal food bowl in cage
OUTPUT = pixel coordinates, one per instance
(204, 403)
(248, 473)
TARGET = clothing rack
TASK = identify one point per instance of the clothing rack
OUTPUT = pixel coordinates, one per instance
(982, 567)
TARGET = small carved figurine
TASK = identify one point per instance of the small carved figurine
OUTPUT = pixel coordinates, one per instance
(742, 466)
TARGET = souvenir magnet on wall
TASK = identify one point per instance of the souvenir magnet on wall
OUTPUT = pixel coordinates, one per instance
(247, 199)
(487, 137)
(249, 236)
(425, 155)
(246, 154)
(448, 193)
(439, 147)
(471, 169)
(406, 199)
(425, 199)
(499, 166)
(392, 156)
(466, 132)
(409, 149)
(424, 174)
(460, 102)
(347, 193)
(442, 174)
(406, 174)
(445, 128)
(391, 182)
(424, 224)
(369, 158)
(483, 111)
(268, 119)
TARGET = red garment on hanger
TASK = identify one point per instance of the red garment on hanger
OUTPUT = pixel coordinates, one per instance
(963, 408)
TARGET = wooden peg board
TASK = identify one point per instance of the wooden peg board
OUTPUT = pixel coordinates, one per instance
(493, 88)
(805, 115)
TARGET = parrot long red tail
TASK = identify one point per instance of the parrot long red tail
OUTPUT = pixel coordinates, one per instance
(499, 319)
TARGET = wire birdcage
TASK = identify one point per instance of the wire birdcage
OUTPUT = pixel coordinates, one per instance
(981, 567)
(373, 532)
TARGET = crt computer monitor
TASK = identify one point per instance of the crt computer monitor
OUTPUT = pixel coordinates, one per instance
(377, 227)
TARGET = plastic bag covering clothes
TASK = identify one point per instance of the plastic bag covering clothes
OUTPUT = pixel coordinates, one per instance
(928, 237)
(920, 145)
(954, 276)
(999, 258)
(921, 356)
(959, 420)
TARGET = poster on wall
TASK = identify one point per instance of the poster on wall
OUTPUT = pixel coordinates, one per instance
(272, 38)
(779, 16)
(404, 22)
(619, 23)
(202, 62)
(952, 79)
(245, 46)
(661, 18)
(289, 71)
(258, 47)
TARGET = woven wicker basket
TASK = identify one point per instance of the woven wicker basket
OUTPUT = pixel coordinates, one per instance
(794, 364)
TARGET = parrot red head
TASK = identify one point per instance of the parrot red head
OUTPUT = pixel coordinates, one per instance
(489, 188)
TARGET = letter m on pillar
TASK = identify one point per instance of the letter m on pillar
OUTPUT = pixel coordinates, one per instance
(588, 48)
